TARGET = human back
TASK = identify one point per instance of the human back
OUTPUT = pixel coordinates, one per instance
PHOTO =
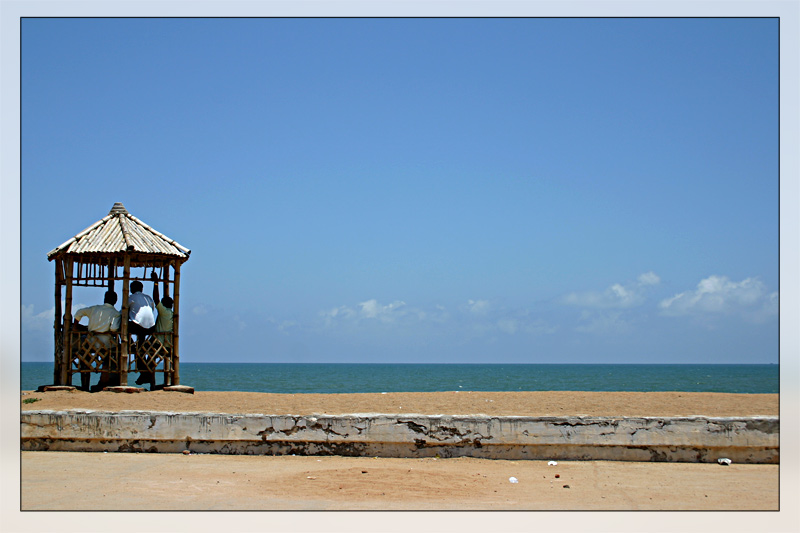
(141, 307)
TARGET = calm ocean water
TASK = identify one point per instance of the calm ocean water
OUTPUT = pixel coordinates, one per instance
(349, 378)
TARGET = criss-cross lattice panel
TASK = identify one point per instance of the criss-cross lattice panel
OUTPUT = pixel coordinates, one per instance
(89, 351)
(150, 353)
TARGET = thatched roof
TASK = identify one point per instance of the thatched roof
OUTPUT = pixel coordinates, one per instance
(119, 232)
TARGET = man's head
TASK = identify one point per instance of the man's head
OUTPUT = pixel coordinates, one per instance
(110, 297)
(136, 286)
(166, 301)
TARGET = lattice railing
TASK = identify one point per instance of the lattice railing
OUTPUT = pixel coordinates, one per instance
(95, 352)
(151, 352)
(101, 352)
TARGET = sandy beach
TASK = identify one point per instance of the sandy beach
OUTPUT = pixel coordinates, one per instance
(131, 481)
(558, 403)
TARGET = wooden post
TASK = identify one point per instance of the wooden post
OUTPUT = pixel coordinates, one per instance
(123, 358)
(176, 380)
(112, 267)
(165, 280)
(58, 347)
(165, 292)
(65, 375)
(111, 274)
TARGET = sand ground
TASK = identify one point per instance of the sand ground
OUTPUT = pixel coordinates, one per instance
(123, 481)
(549, 403)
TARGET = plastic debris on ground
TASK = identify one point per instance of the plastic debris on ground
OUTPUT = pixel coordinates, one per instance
(512, 479)
(551, 463)
(724, 461)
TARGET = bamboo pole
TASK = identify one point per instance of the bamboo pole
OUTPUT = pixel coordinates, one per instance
(123, 362)
(111, 273)
(165, 292)
(126, 235)
(65, 362)
(165, 280)
(176, 380)
(58, 330)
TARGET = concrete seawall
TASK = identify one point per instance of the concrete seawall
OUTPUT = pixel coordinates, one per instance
(683, 439)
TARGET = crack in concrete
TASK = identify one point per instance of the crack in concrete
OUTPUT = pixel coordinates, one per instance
(442, 434)
(314, 425)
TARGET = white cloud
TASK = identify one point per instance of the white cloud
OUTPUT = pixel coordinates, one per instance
(719, 295)
(384, 313)
(479, 307)
(617, 296)
(32, 321)
(200, 310)
(771, 305)
(477, 318)
(649, 278)
(339, 312)
(371, 310)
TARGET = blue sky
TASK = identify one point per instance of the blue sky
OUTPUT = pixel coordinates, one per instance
(420, 190)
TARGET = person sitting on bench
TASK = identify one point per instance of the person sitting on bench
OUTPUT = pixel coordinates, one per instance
(164, 318)
(102, 319)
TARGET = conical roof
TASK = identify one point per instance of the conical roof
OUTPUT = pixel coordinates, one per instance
(120, 232)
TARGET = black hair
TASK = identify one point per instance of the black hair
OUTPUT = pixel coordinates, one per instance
(110, 297)
(137, 286)
(166, 301)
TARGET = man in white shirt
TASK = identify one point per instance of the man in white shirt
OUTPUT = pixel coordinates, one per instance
(102, 319)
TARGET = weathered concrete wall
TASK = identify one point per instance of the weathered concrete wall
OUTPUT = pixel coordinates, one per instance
(693, 439)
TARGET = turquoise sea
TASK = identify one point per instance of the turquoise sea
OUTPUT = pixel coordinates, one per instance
(333, 378)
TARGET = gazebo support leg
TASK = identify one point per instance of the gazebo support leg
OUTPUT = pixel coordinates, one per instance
(64, 378)
(168, 359)
(123, 363)
(176, 380)
(59, 330)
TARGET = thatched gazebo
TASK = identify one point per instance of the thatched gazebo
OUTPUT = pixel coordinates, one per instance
(110, 250)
